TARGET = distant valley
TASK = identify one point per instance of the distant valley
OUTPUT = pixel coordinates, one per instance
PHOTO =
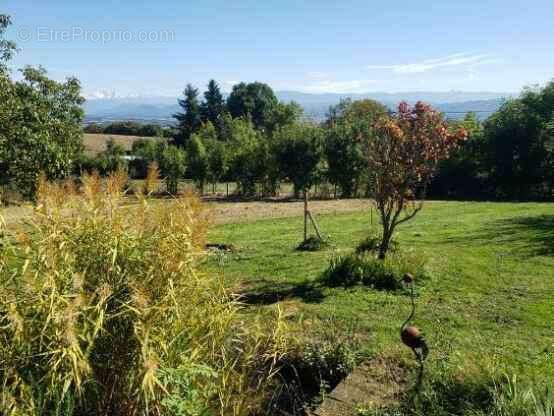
(160, 109)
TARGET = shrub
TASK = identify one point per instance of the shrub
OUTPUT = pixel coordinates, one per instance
(102, 311)
(481, 394)
(312, 369)
(371, 245)
(354, 269)
(313, 244)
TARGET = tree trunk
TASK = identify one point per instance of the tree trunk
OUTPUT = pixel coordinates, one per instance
(385, 242)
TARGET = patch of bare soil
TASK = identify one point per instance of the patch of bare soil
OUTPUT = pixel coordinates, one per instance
(226, 212)
(237, 212)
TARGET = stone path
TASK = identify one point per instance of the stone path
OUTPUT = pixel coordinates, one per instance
(372, 384)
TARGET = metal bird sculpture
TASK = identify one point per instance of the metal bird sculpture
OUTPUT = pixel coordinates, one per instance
(411, 336)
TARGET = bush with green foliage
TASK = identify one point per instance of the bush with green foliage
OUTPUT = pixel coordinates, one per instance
(371, 245)
(480, 394)
(111, 158)
(313, 244)
(353, 269)
(312, 369)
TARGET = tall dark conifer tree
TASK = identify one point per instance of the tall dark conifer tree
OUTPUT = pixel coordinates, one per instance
(190, 119)
(213, 107)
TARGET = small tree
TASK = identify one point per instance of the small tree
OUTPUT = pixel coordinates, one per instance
(197, 158)
(218, 160)
(146, 153)
(344, 153)
(111, 158)
(402, 155)
(299, 152)
(40, 128)
(172, 161)
(345, 158)
(245, 165)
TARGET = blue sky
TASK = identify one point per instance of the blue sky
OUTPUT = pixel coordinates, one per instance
(156, 47)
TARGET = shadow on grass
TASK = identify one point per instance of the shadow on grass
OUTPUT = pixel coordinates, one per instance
(273, 292)
(530, 235)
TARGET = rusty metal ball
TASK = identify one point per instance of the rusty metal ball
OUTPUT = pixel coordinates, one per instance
(411, 336)
(408, 278)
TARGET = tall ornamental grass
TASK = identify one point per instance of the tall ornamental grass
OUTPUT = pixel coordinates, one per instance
(102, 312)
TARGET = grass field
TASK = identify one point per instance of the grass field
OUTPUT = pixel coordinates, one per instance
(486, 308)
(486, 311)
(96, 143)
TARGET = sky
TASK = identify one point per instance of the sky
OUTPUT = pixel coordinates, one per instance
(132, 47)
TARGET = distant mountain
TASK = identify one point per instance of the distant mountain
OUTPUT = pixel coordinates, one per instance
(160, 109)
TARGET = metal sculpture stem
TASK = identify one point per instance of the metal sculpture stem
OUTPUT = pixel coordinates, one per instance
(420, 356)
(413, 309)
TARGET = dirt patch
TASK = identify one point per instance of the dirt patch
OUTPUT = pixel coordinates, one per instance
(239, 212)
(96, 143)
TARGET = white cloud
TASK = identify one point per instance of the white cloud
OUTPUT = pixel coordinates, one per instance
(458, 60)
(350, 86)
(101, 94)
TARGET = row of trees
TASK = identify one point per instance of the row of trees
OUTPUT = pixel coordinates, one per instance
(508, 156)
(129, 128)
(302, 153)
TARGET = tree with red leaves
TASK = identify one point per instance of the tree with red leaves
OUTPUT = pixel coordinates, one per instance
(402, 153)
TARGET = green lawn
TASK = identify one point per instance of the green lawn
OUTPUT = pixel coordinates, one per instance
(488, 306)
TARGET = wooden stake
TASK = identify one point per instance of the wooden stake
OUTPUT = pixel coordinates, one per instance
(316, 227)
(305, 214)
